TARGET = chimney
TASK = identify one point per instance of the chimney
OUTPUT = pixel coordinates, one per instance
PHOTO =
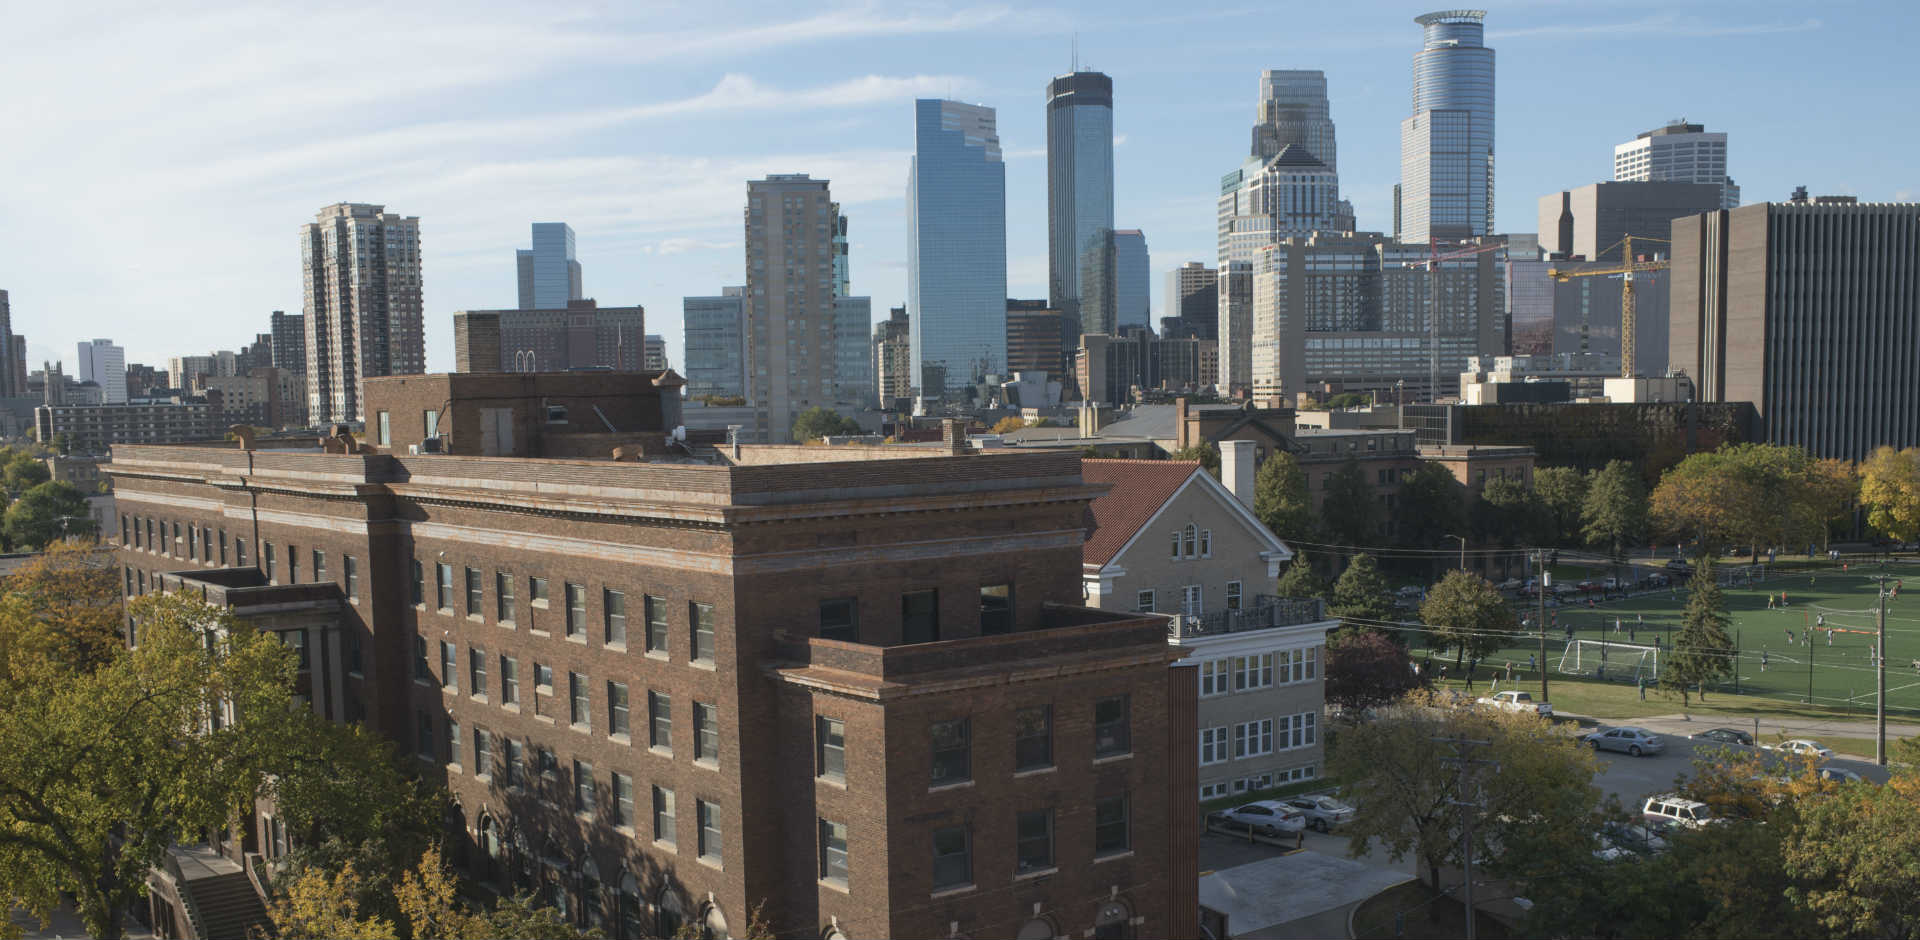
(1236, 470)
(954, 435)
(1181, 439)
(244, 434)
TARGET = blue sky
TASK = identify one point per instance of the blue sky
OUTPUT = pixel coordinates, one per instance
(157, 160)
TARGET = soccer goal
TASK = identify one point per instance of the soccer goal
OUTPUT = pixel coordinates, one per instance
(1733, 575)
(1604, 659)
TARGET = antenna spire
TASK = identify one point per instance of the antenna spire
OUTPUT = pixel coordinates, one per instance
(1076, 51)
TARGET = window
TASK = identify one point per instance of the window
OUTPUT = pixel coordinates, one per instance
(417, 574)
(355, 655)
(293, 565)
(1143, 602)
(503, 597)
(1213, 745)
(702, 616)
(421, 670)
(223, 545)
(1111, 729)
(546, 765)
(580, 716)
(516, 756)
(952, 751)
(659, 721)
(1233, 595)
(1252, 672)
(206, 545)
(176, 539)
(537, 592)
(430, 423)
(583, 802)
(556, 413)
(706, 732)
(1214, 676)
(1189, 541)
(543, 678)
(996, 609)
(193, 543)
(1206, 543)
(141, 579)
(1212, 790)
(576, 610)
(1033, 738)
(920, 616)
(351, 569)
(449, 679)
(1110, 830)
(443, 586)
(656, 624)
(509, 681)
(663, 819)
(952, 857)
(476, 595)
(319, 565)
(1033, 841)
(1297, 730)
(477, 670)
(1253, 738)
(840, 619)
(1174, 552)
(269, 554)
(614, 607)
(239, 552)
(622, 800)
(833, 852)
(296, 640)
(617, 708)
(453, 741)
(482, 753)
(385, 424)
(831, 746)
(709, 814)
(126, 537)
(423, 733)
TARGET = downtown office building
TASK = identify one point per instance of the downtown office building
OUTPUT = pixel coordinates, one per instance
(956, 247)
(1080, 270)
(1446, 144)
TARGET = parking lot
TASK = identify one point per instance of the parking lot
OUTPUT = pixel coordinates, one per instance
(1633, 779)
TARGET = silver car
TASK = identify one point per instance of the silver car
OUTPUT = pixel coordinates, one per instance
(1266, 817)
(1324, 813)
(1634, 741)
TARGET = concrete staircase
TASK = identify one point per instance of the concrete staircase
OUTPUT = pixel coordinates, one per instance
(229, 908)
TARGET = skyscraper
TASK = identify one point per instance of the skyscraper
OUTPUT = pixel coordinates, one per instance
(13, 354)
(956, 245)
(1677, 153)
(893, 358)
(653, 353)
(104, 364)
(792, 356)
(360, 277)
(1080, 202)
(1132, 279)
(1294, 110)
(1193, 298)
(1446, 144)
(549, 277)
(714, 346)
(289, 341)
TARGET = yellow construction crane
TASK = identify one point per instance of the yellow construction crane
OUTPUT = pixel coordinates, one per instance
(1626, 269)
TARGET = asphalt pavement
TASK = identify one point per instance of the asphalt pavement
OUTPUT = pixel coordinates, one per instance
(1633, 779)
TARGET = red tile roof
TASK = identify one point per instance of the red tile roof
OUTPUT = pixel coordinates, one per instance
(1140, 488)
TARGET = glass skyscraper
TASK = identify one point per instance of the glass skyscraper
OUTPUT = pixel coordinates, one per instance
(1080, 203)
(549, 276)
(956, 246)
(1133, 304)
(1446, 145)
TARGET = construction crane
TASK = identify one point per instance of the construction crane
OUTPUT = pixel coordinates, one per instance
(1626, 269)
(1432, 265)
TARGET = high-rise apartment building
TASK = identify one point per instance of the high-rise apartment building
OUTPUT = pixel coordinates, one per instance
(289, 342)
(1446, 144)
(1235, 336)
(1080, 202)
(360, 280)
(105, 365)
(1810, 311)
(549, 275)
(1678, 153)
(715, 344)
(13, 354)
(893, 358)
(653, 356)
(1193, 299)
(1530, 294)
(956, 245)
(792, 354)
(1132, 279)
(853, 368)
(581, 335)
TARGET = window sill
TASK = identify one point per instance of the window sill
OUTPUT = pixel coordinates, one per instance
(1111, 856)
(450, 689)
(538, 632)
(950, 892)
(443, 611)
(1037, 873)
(838, 783)
(944, 787)
(712, 863)
(579, 638)
(667, 845)
(424, 683)
(476, 618)
(834, 884)
(624, 830)
(660, 655)
(506, 625)
(707, 763)
(420, 607)
(1033, 772)
(355, 674)
(578, 728)
(618, 646)
(1112, 758)
(354, 601)
(619, 738)
(479, 697)
(513, 707)
(544, 718)
(540, 605)
(658, 751)
(706, 664)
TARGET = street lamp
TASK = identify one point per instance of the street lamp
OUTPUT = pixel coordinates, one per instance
(1463, 550)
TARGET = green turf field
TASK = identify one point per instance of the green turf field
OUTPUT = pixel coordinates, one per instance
(1771, 663)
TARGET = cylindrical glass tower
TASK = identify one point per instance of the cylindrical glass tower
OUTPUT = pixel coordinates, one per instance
(1446, 150)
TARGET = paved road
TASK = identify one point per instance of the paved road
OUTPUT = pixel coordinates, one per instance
(1633, 779)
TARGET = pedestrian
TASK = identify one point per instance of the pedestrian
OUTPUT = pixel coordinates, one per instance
(1469, 678)
(1633, 634)
(1616, 626)
(1530, 666)
(1763, 660)
(1829, 636)
(1769, 600)
(1642, 680)
(1640, 619)
(1783, 598)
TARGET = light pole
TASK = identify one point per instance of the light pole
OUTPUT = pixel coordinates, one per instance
(1880, 675)
(1463, 550)
(1541, 558)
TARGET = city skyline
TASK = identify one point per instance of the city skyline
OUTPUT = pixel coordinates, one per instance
(656, 220)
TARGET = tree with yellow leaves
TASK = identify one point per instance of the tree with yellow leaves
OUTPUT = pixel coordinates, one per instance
(1890, 489)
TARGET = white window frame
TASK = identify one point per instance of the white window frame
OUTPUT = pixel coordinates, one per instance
(1214, 746)
(1193, 600)
(1233, 595)
(1206, 543)
(1253, 738)
(1210, 791)
(1216, 677)
(1143, 602)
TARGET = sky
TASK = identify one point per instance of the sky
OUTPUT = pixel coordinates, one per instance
(157, 160)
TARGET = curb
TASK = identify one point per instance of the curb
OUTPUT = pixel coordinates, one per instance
(1356, 905)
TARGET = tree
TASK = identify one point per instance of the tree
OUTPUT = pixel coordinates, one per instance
(1563, 495)
(1009, 424)
(1360, 593)
(1280, 499)
(1348, 514)
(1365, 669)
(1207, 454)
(1703, 649)
(819, 422)
(1299, 581)
(1510, 514)
(316, 904)
(1469, 616)
(71, 613)
(62, 443)
(1854, 850)
(48, 512)
(23, 472)
(1615, 513)
(101, 771)
(1745, 494)
(1430, 506)
(1890, 489)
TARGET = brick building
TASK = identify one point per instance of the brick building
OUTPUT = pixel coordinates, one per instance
(853, 685)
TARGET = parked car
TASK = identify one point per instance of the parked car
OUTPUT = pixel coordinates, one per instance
(1840, 775)
(1680, 566)
(1589, 587)
(1724, 736)
(1654, 579)
(1628, 840)
(1324, 813)
(1803, 746)
(1634, 741)
(1667, 811)
(1517, 701)
(1265, 817)
(1612, 584)
(1511, 584)
(1412, 590)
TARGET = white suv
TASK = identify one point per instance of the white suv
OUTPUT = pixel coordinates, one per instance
(1669, 810)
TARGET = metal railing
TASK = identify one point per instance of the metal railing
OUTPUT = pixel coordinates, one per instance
(171, 866)
(1268, 611)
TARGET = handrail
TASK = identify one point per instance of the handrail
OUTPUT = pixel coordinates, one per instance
(194, 921)
(257, 873)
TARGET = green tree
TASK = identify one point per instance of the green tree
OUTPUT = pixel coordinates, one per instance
(62, 443)
(67, 610)
(1348, 514)
(1615, 513)
(1429, 506)
(1563, 496)
(101, 771)
(1009, 424)
(1360, 593)
(818, 422)
(315, 904)
(46, 513)
(1280, 499)
(1299, 581)
(1890, 490)
(1207, 454)
(1745, 494)
(1509, 514)
(1855, 851)
(1703, 649)
(1467, 615)
(23, 472)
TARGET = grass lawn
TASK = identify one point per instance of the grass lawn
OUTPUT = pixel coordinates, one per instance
(1619, 700)
(1419, 914)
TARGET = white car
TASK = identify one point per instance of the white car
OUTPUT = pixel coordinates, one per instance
(1800, 746)
(1516, 701)
(1265, 817)
(1324, 813)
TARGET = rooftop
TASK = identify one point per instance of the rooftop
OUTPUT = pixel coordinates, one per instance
(1138, 489)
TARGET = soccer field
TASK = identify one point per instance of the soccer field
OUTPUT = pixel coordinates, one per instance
(1781, 648)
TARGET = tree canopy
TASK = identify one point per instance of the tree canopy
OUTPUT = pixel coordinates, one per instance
(1280, 498)
(1299, 581)
(1348, 514)
(45, 514)
(818, 422)
(1748, 494)
(1890, 490)
(1469, 616)
(1430, 506)
(1360, 593)
(1703, 649)
(1365, 669)
(1614, 515)
(1563, 497)
(1207, 454)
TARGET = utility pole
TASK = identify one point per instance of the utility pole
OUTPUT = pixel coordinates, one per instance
(1540, 556)
(1469, 784)
(1880, 677)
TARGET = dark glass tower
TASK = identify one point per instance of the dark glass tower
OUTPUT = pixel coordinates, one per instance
(1080, 281)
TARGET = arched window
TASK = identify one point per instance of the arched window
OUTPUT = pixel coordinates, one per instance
(524, 875)
(633, 911)
(1038, 928)
(673, 912)
(713, 924)
(492, 851)
(1113, 922)
(590, 906)
(554, 890)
